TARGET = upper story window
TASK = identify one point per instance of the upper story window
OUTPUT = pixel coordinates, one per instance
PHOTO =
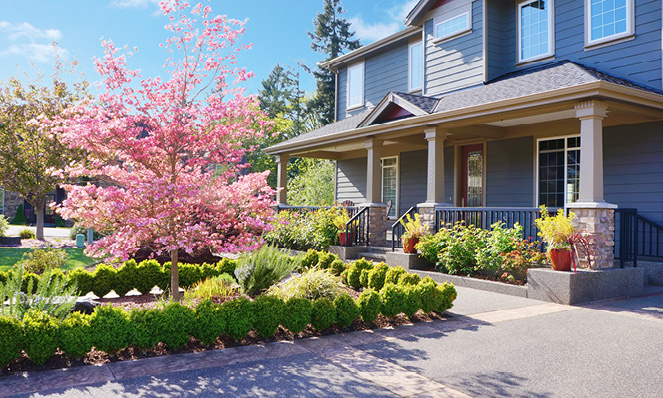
(356, 86)
(416, 66)
(608, 20)
(535, 30)
(452, 26)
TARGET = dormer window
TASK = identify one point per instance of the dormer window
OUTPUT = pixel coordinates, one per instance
(535, 30)
(452, 26)
(356, 86)
(608, 20)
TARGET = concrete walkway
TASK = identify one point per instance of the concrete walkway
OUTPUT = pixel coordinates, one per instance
(491, 346)
(49, 232)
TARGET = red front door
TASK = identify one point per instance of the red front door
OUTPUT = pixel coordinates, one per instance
(471, 189)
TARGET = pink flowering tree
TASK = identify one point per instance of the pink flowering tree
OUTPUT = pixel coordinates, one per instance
(171, 150)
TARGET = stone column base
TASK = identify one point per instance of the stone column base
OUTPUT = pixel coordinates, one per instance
(377, 224)
(597, 224)
(427, 213)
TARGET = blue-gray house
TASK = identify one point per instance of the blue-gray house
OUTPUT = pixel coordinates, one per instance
(502, 104)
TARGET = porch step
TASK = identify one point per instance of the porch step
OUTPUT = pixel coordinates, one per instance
(375, 254)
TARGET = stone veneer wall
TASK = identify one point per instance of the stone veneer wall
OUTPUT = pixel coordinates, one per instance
(598, 225)
(377, 225)
(12, 201)
(427, 217)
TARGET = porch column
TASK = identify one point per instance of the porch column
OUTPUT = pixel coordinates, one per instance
(435, 196)
(377, 213)
(594, 217)
(282, 178)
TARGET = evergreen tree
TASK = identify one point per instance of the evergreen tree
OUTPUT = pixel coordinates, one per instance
(332, 37)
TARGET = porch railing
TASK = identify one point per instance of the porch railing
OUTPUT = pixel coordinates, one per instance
(397, 229)
(637, 237)
(484, 217)
(357, 227)
(352, 210)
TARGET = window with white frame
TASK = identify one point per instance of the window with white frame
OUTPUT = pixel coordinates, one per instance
(356, 86)
(416, 66)
(608, 20)
(535, 30)
(452, 26)
(390, 184)
(559, 171)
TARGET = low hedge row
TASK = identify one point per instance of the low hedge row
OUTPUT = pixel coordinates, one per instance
(111, 329)
(142, 276)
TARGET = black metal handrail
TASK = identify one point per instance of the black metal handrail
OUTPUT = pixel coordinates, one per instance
(397, 229)
(484, 217)
(352, 210)
(357, 227)
(649, 238)
(626, 234)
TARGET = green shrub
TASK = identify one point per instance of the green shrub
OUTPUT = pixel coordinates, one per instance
(239, 317)
(111, 329)
(3, 276)
(210, 322)
(394, 274)
(4, 225)
(79, 229)
(208, 271)
(40, 336)
(223, 285)
(430, 246)
(323, 314)
(145, 327)
(189, 274)
(354, 272)
(393, 299)
(103, 279)
(363, 278)
(297, 314)
(430, 296)
(305, 230)
(259, 270)
(311, 258)
(82, 280)
(46, 292)
(337, 267)
(325, 260)
(27, 233)
(75, 335)
(269, 312)
(150, 274)
(176, 324)
(370, 305)
(126, 278)
(413, 300)
(227, 266)
(40, 259)
(377, 276)
(30, 283)
(449, 293)
(346, 310)
(314, 283)
(19, 217)
(409, 279)
(11, 340)
(59, 222)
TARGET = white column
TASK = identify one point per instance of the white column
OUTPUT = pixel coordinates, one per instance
(435, 175)
(282, 178)
(591, 114)
(373, 171)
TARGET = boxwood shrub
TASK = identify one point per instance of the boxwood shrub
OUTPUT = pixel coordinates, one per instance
(11, 340)
(393, 299)
(323, 313)
(145, 327)
(347, 310)
(40, 334)
(239, 317)
(210, 322)
(75, 335)
(297, 314)
(370, 305)
(175, 325)
(269, 311)
(111, 329)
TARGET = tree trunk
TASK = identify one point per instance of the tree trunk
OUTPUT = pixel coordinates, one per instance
(174, 276)
(39, 212)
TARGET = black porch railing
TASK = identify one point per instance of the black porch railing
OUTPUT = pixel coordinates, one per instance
(636, 237)
(357, 227)
(397, 229)
(352, 210)
(484, 217)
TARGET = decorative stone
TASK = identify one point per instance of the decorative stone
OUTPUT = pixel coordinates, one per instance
(598, 226)
(377, 224)
(85, 305)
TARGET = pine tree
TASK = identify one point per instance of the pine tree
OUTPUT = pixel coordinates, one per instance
(332, 37)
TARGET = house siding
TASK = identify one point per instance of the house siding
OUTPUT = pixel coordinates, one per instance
(351, 180)
(495, 25)
(510, 173)
(455, 63)
(638, 60)
(413, 173)
(633, 168)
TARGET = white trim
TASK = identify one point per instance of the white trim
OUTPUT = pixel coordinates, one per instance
(397, 166)
(537, 180)
(468, 28)
(630, 26)
(348, 105)
(551, 32)
(409, 66)
(392, 98)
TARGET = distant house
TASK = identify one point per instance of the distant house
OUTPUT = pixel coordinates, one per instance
(10, 202)
(503, 104)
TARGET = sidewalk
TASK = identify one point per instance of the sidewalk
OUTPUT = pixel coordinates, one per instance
(491, 346)
(49, 232)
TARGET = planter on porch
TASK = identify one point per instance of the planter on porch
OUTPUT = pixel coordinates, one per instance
(408, 245)
(346, 238)
(560, 259)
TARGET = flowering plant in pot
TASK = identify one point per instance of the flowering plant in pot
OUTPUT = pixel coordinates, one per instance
(414, 230)
(562, 239)
(340, 221)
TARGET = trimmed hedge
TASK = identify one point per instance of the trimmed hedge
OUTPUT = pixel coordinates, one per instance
(112, 329)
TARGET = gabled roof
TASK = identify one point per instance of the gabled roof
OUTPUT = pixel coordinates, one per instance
(520, 84)
(419, 9)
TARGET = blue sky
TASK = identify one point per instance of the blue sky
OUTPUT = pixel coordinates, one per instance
(277, 28)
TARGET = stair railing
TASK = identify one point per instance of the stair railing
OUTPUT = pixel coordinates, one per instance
(397, 229)
(357, 227)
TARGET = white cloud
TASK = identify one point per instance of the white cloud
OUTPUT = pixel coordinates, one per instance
(133, 3)
(369, 31)
(30, 42)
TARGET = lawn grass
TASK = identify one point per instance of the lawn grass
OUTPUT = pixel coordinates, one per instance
(10, 255)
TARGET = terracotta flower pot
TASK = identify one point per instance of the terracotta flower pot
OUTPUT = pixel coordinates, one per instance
(346, 238)
(561, 259)
(408, 246)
